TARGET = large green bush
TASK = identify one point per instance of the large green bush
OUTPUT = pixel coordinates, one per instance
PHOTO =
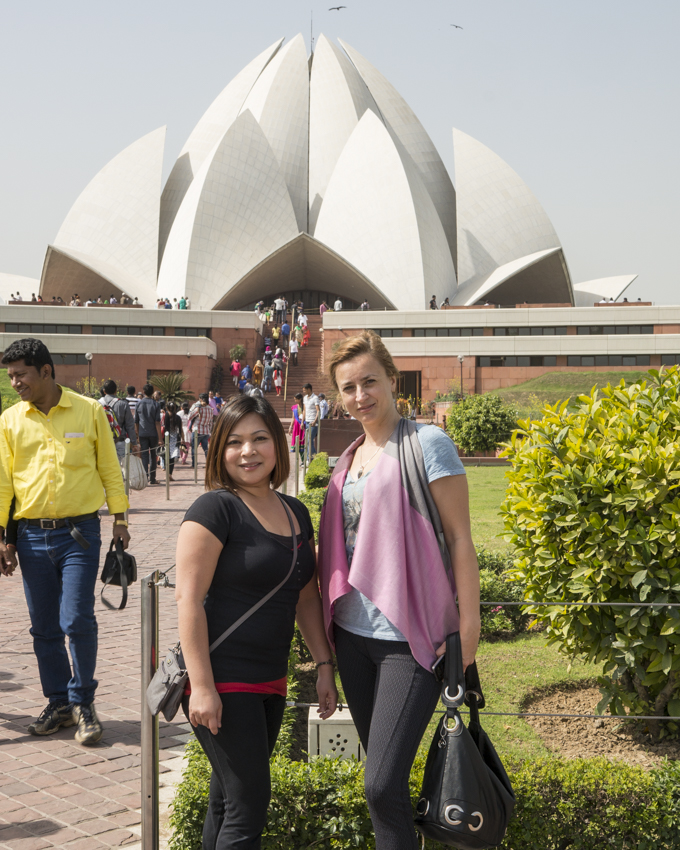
(580, 804)
(593, 512)
(480, 423)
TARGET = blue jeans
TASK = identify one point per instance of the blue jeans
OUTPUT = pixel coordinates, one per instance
(59, 581)
(202, 441)
(310, 439)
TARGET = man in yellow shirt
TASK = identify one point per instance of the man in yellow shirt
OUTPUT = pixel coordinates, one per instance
(58, 463)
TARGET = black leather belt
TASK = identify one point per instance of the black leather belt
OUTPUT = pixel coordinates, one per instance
(50, 524)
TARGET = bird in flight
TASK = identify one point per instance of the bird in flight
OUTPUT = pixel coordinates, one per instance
(336, 8)
(456, 26)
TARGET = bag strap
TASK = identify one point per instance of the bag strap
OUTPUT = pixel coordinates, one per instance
(123, 579)
(271, 593)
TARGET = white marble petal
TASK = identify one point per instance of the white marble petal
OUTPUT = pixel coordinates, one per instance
(235, 214)
(10, 284)
(472, 292)
(401, 118)
(380, 218)
(499, 219)
(338, 99)
(205, 135)
(279, 101)
(114, 221)
(590, 291)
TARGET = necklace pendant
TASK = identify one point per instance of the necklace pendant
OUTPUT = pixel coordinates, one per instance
(360, 472)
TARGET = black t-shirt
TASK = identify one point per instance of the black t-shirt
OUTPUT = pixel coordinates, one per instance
(252, 562)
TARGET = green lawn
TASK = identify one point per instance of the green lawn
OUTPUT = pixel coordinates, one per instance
(556, 386)
(487, 489)
(8, 395)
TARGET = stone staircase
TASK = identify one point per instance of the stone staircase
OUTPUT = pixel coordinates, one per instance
(308, 370)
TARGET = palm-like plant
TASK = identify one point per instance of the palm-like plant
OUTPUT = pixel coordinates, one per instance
(171, 387)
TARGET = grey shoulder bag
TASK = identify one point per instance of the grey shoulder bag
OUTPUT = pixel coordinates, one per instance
(166, 688)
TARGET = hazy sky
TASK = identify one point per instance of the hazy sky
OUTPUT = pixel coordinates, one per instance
(581, 98)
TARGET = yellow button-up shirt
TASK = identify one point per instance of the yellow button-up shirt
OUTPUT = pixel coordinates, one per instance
(60, 465)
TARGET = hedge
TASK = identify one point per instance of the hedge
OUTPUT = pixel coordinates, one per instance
(318, 472)
(580, 804)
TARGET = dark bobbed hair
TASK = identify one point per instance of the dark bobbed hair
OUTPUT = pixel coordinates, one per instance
(110, 387)
(32, 351)
(148, 390)
(130, 390)
(216, 476)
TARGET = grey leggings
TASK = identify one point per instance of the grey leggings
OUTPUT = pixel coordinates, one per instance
(392, 699)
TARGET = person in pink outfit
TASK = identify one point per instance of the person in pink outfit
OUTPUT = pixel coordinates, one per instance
(296, 428)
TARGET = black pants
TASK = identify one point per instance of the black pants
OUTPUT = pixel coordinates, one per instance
(392, 699)
(148, 445)
(293, 358)
(240, 785)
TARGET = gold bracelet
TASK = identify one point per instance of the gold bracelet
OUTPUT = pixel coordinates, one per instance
(120, 522)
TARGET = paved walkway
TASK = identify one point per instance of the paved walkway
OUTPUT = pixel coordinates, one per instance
(54, 792)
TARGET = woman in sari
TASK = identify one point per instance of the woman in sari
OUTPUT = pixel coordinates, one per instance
(296, 428)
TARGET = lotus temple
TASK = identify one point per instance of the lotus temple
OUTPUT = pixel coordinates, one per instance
(309, 176)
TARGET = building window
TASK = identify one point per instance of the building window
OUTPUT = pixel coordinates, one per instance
(501, 331)
(11, 328)
(608, 360)
(511, 361)
(670, 359)
(69, 360)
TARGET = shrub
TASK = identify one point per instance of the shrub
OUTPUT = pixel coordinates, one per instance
(314, 501)
(495, 587)
(583, 804)
(318, 472)
(593, 512)
(238, 352)
(480, 423)
(170, 386)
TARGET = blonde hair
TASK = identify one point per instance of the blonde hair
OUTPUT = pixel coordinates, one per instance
(366, 342)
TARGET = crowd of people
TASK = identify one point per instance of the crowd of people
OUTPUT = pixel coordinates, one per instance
(76, 300)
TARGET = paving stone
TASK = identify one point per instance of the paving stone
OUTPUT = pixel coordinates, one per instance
(52, 784)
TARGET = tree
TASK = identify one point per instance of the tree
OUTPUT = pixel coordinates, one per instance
(480, 423)
(171, 387)
(593, 510)
(238, 352)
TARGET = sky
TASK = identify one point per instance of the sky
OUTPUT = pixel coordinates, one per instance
(580, 98)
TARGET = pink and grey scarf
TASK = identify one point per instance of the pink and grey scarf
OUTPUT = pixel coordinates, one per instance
(400, 561)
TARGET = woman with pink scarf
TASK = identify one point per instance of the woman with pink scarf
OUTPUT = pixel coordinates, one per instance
(395, 556)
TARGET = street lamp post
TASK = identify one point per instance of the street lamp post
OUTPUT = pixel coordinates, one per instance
(88, 357)
(460, 360)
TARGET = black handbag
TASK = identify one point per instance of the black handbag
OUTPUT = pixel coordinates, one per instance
(466, 799)
(120, 569)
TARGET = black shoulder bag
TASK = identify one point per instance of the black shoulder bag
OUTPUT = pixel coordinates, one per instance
(466, 800)
(120, 569)
(166, 688)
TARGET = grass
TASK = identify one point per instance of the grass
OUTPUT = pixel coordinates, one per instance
(9, 396)
(557, 386)
(487, 490)
(507, 672)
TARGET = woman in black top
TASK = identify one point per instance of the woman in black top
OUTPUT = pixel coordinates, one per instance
(234, 546)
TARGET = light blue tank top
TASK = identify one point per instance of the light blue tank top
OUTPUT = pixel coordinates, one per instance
(354, 612)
